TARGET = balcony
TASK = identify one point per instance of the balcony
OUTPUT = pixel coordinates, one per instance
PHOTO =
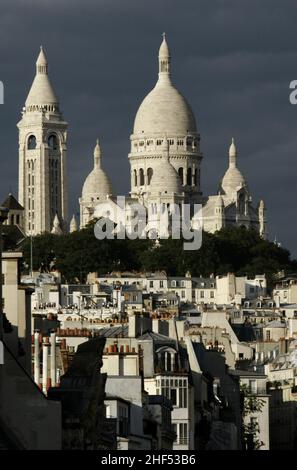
(181, 441)
(121, 424)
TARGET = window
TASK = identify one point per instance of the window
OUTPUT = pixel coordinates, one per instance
(174, 428)
(268, 335)
(173, 283)
(202, 294)
(181, 174)
(176, 391)
(183, 294)
(161, 284)
(149, 175)
(189, 177)
(151, 283)
(196, 177)
(31, 142)
(212, 294)
(253, 386)
(183, 433)
(173, 396)
(52, 142)
(141, 177)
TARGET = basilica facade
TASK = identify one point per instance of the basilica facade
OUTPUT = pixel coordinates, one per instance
(165, 162)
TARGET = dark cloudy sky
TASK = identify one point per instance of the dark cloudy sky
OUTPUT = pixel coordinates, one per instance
(232, 59)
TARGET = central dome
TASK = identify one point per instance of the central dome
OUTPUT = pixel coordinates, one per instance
(164, 109)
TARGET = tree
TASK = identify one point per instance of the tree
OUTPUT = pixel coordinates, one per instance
(250, 430)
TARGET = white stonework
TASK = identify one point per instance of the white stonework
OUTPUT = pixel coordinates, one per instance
(42, 155)
(233, 204)
(73, 224)
(97, 188)
(165, 160)
(165, 115)
(56, 230)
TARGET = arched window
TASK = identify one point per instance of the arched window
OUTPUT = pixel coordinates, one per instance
(189, 141)
(32, 142)
(52, 142)
(189, 177)
(135, 178)
(149, 175)
(196, 177)
(141, 177)
(241, 203)
(181, 174)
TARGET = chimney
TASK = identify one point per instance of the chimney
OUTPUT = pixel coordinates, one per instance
(36, 359)
(53, 359)
(45, 348)
(132, 327)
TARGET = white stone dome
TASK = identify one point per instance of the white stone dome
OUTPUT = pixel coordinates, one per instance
(97, 183)
(164, 109)
(233, 178)
(165, 178)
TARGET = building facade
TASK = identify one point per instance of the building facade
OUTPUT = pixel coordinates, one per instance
(42, 155)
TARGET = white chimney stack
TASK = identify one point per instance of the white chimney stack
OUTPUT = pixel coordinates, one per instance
(45, 347)
(36, 359)
(53, 359)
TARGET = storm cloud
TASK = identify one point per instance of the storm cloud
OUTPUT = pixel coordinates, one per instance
(233, 60)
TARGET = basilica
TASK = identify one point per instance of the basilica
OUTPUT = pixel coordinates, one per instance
(165, 162)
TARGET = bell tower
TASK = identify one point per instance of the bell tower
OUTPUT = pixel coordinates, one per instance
(42, 155)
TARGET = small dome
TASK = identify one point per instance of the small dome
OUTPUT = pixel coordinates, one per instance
(97, 183)
(233, 179)
(165, 178)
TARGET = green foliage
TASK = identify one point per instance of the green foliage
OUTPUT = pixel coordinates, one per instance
(252, 404)
(230, 250)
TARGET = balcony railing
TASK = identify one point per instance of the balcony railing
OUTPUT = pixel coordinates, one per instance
(182, 441)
